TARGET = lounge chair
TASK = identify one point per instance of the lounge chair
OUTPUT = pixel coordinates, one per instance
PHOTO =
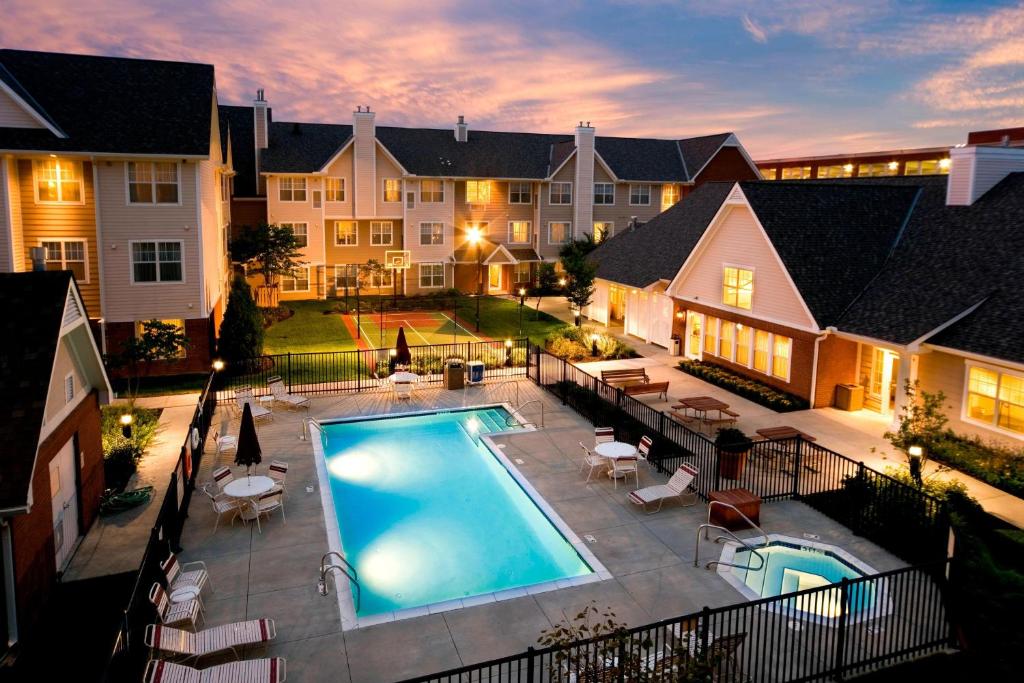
(222, 503)
(603, 435)
(254, 670)
(184, 583)
(225, 443)
(677, 487)
(209, 641)
(590, 460)
(278, 471)
(281, 395)
(259, 412)
(174, 613)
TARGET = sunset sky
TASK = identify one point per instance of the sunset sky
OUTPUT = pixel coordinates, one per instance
(789, 76)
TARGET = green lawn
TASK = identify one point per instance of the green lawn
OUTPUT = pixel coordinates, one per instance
(309, 330)
(160, 385)
(499, 319)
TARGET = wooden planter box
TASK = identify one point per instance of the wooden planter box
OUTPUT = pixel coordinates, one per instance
(731, 463)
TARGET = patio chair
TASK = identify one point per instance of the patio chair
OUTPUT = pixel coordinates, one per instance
(222, 476)
(281, 395)
(603, 435)
(643, 449)
(225, 443)
(268, 670)
(174, 613)
(403, 390)
(259, 413)
(266, 504)
(210, 641)
(221, 504)
(677, 487)
(278, 471)
(590, 460)
(621, 468)
(183, 582)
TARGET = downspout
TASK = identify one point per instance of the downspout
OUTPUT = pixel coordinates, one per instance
(814, 368)
(9, 587)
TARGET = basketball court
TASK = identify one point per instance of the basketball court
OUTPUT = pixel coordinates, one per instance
(421, 328)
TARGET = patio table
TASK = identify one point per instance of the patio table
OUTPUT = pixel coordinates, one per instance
(404, 377)
(785, 433)
(701, 406)
(613, 450)
(247, 489)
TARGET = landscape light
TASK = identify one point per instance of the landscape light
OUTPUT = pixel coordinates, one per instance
(126, 425)
(915, 451)
(522, 291)
(218, 365)
(561, 282)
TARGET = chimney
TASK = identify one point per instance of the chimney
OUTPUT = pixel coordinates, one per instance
(38, 256)
(261, 135)
(364, 129)
(462, 129)
(977, 169)
(583, 192)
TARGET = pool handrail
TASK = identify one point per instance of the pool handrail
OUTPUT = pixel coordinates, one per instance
(345, 568)
(518, 411)
(729, 535)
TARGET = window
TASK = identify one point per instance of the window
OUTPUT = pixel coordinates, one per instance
(410, 200)
(768, 173)
(317, 199)
(737, 287)
(796, 172)
(560, 193)
(67, 255)
(836, 171)
(521, 273)
(478, 191)
(382, 279)
(882, 169)
(603, 230)
(152, 182)
(639, 195)
(604, 193)
(669, 196)
(559, 233)
(727, 338)
(519, 232)
(334, 189)
(140, 328)
(995, 398)
(431, 233)
(381, 233)
(761, 351)
(156, 262)
(69, 388)
(926, 167)
(711, 335)
(291, 189)
(431, 275)
(297, 281)
(300, 230)
(432, 191)
(743, 345)
(782, 350)
(346, 233)
(520, 193)
(58, 182)
(346, 275)
(392, 190)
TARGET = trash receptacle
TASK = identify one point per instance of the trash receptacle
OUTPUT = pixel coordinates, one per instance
(849, 397)
(454, 374)
(675, 346)
(475, 371)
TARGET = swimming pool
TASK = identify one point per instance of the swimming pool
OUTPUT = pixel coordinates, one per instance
(433, 516)
(791, 565)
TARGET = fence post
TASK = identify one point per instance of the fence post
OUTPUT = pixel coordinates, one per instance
(565, 392)
(529, 664)
(796, 466)
(844, 596)
(174, 524)
(622, 658)
(618, 397)
(718, 466)
(289, 372)
(705, 618)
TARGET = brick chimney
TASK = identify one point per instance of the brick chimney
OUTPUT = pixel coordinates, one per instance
(583, 192)
(976, 169)
(261, 134)
(462, 129)
(364, 129)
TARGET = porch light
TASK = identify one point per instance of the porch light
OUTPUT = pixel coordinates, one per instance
(848, 168)
(944, 163)
(218, 365)
(474, 234)
(739, 326)
(679, 315)
(392, 352)
(508, 343)
(893, 165)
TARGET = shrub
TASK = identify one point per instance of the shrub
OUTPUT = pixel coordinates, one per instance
(749, 389)
(732, 440)
(567, 349)
(241, 332)
(121, 454)
(997, 465)
(581, 338)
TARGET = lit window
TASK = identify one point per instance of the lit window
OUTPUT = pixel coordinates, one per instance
(761, 351)
(875, 170)
(153, 183)
(431, 275)
(560, 193)
(604, 193)
(639, 195)
(711, 336)
(737, 287)
(996, 398)
(743, 345)
(796, 172)
(768, 174)
(392, 190)
(521, 273)
(300, 230)
(431, 233)
(669, 196)
(67, 255)
(432, 191)
(836, 171)
(926, 167)
(178, 323)
(156, 262)
(782, 349)
(58, 181)
(334, 189)
(1011, 402)
(296, 281)
(381, 233)
(559, 232)
(478, 191)
(726, 339)
(291, 189)
(520, 193)
(346, 233)
(519, 232)
(603, 230)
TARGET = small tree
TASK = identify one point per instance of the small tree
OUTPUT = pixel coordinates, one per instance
(270, 250)
(547, 284)
(922, 423)
(580, 273)
(157, 341)
(241, 332)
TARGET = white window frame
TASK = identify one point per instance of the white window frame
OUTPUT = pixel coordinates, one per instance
(317, 197)
(410, 199)
(334, 232)
(308, 279)
(432, 201)
(516, 271)
(551, 193)
(292, 180)
(568, 237)
(60, 188)
(156, 241)
(994, 425)
(431, 243)
(512, 235)
(479, 184)
(611, 230)
(127, 184)
(612, 202)
(771, 357)
(753, 278)
(529, 194)
(343, 267)
(384, 190)
(637, 186)
(64, 251)
(342, 189)
(431, 286)
(293, 225)
(390, 233)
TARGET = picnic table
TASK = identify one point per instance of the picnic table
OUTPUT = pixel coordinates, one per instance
(702, 405)
(785, 433)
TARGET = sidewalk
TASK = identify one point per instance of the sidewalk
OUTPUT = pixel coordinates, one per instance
(114, 544)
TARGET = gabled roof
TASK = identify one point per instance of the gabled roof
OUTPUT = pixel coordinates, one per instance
(697, 152)
(646, 159)
(110, 104)
(485, 154)
(239, 121)
(302, 147)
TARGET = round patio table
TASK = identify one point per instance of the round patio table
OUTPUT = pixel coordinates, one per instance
(248, 488)
(403, 377)
(613, 450)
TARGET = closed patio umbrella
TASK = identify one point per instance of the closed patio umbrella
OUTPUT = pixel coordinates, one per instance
(402, 355)
(248, 453)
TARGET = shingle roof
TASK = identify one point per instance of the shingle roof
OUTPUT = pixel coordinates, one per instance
(302, 147)
(111, 104)
(698, 151)
(29, 330)
(239, 120)
(642, 159)
(485, 154)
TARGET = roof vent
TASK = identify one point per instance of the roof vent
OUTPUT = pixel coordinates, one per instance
(462, 129)
(38, 256)
(259, 95)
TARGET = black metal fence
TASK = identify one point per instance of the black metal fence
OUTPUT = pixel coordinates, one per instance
(825, 633)
(853, 494)
(337, 371)
(129, 654)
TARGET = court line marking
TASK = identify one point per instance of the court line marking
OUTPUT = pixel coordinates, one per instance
(367, 338)
(417, 333)
(457, 326)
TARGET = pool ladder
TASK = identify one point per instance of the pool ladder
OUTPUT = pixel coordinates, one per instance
(308, 425)
(346, 568)
(728, 535)
(510, 421)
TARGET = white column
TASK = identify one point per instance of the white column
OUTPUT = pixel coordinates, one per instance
(907, 372)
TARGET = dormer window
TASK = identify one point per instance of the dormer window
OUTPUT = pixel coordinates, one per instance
(737, 287)
(58, 181)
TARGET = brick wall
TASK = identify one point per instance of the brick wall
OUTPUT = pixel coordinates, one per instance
(728, 164)
(837, 364)
(201, 342)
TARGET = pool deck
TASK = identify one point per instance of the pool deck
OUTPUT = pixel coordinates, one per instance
(650, 557)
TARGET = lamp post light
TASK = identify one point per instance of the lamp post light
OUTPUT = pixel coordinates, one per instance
(522, 301)
(126, 425)
(508, 353)
(593, 344)
(218, 365)
(475, 237)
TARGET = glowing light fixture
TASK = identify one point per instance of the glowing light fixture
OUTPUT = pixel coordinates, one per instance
(522, 291)
(944, 163)
(218, 365)
(915, 451)
(127, 419)
(848, 168)
(474, 234)
(508, 343)
(893, 165)
(561, 282)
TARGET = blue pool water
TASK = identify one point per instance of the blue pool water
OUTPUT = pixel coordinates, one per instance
(428, 514)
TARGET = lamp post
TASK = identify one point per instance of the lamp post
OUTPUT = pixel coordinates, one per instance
(508, 353)
(522, 301)
(126, 425)
(475, 238)
(593, 344)
(218, 365)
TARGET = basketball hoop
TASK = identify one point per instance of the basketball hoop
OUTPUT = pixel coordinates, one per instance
(398, 259)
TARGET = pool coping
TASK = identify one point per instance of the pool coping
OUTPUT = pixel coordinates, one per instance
(346, 604)
(881, 608)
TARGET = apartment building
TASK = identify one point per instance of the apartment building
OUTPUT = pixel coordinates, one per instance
(471, 208)
(116, 169)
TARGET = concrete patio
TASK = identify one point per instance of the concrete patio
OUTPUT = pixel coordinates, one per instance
(274, 573)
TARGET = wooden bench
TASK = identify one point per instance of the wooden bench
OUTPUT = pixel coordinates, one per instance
(626, 377)
(726, 417)
(660, 388)
(681, 417)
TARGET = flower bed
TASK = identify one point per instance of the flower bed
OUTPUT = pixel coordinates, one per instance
(749, 389)
(576, 344)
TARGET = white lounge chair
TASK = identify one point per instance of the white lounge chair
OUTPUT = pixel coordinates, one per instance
(259, 412)
(185, 581)
(222, 503)
(209, 641)
(594, 462)
(222, 476)
(643, 449)
(677, 487)
(174, 613)
(254, 670)
(281, 395)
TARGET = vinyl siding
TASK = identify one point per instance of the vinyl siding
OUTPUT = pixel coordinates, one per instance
(497, 213)
(301, 212)
(364, 185)
(342, 168)
(360, 253)
(549, 213)
(214, 265)
(13, 115)
(583, 190)
(15, 216)
(598, 308)
(439, 212)
(386, 169)
(63, 365)
(59, 221)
